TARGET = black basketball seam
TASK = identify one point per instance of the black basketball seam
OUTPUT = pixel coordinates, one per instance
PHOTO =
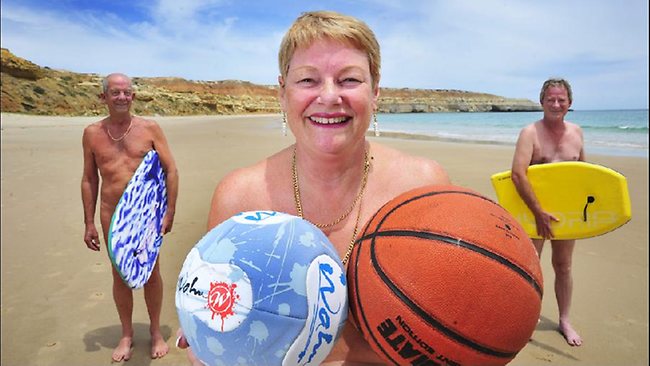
(437, 324)
(360, 307)
(518, 269)
(464, 244)
(357, 247)
(425, 316)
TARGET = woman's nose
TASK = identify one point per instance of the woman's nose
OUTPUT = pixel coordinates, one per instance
(330, 93)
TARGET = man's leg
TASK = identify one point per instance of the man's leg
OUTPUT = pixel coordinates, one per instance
(539, 245)
(562, 260)
(123, 297)
(153, 294)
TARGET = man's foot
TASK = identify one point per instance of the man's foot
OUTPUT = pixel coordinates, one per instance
(123, 350)
(572, 337)
(159, 347)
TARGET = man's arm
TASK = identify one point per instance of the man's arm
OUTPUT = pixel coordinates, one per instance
(171, 173)
(582, 156)
(89, 190)
(520, 163)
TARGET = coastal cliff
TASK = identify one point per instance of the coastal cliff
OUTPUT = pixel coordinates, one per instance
(33, 89)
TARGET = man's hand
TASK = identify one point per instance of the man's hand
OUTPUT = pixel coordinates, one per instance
(168, 222)
(91, 238)
(543, 223)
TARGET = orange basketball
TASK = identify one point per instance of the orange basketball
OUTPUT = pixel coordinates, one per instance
(442, 275)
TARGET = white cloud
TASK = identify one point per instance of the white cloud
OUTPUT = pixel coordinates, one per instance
(83, 43)
(501, 46)
(497, 46)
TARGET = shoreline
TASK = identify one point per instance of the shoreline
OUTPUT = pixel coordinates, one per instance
(17, 120)
(57, 307)
(643, 154)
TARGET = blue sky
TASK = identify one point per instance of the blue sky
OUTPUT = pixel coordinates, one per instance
(502, 47)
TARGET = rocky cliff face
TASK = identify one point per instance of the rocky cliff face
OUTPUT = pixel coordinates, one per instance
(29, 88)
(442, 100)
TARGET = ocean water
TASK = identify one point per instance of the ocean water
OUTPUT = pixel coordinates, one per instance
(606, 132)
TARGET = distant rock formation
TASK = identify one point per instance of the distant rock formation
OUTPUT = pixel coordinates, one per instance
(32, 89)
(444, 100)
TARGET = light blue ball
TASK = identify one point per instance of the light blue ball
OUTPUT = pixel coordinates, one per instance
(262, 288)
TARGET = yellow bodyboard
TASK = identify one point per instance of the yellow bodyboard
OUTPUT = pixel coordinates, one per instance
(588, 199)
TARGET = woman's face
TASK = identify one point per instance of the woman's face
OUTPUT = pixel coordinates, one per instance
(328, 95)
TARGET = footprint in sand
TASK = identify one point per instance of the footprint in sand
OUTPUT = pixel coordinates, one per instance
(98, 268)
(50, 346)
(543, 358)
(97, 296)
(53, 274)
(94, 299)
(54, 253)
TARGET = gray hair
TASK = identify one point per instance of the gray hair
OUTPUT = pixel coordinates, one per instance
(559, 82)
(115, 74)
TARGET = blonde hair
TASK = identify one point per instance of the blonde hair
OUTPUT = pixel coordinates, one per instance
(558, 82)
(317, 25)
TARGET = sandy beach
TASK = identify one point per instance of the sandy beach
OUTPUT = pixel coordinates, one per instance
(57, 307)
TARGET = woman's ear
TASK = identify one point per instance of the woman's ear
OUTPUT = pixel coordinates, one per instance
(281, 91)
(375, 92)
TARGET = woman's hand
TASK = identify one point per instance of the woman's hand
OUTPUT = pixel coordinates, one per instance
(181, 342)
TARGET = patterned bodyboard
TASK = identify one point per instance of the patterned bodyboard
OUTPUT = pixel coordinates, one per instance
(135, 236)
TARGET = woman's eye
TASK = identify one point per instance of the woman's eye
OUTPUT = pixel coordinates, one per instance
(350, 81)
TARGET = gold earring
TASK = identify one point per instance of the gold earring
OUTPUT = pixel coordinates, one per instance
(284, 124)
(375, 125)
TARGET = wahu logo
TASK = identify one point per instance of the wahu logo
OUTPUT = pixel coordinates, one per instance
(328, 306)
(221, 300)
(186, 287)
(260, 215)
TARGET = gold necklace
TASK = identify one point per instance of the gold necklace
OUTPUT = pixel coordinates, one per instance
(354, 237)
(296, 191)
(121, 137)
(357, 199)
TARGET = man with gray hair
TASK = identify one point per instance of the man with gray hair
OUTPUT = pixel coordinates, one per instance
(113, 148)
(549, 140)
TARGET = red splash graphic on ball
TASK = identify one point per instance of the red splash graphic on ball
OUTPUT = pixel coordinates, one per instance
(221, 300)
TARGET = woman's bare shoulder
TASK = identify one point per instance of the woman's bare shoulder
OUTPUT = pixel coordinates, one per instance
(241, 182)
(250, 187)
